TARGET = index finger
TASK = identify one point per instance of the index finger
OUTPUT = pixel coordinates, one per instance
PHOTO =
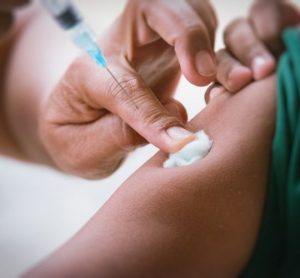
(181, 26)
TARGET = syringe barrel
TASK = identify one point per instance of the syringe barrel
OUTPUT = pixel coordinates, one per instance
(64, 12)
(69, 18)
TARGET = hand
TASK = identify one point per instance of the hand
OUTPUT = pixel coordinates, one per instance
(6, 17)
(88, 124)
(253, 44)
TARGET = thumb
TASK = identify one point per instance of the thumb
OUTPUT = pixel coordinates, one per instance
(138, 106)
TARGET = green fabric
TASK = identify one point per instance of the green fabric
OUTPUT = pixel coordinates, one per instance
(277, 251)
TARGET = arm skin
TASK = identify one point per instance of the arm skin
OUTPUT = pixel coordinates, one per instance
(195, 221)
(200, 220)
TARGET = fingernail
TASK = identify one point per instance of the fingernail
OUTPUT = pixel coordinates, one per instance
(205, 64)
(216, 91)
(179, 137)
(262, 67)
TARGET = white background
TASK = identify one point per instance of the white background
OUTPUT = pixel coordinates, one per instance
(41, 208)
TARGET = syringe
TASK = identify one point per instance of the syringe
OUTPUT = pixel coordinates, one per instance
(69, 19)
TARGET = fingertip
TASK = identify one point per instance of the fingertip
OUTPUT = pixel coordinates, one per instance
(176, 138)
(191, 73)
(197, 61)
(200, 80)
(215, 92)
(238, 77)
(262, 67)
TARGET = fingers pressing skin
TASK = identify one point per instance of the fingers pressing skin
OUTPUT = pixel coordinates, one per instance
(91, 122)
(89, 127)
(231, 73)
(190, 34)
(244, 45)
(94, 149)
(254, 43)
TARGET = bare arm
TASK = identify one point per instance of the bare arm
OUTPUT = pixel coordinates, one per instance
(196, 221)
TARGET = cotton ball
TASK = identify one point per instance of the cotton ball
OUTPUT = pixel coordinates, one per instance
(196, 150)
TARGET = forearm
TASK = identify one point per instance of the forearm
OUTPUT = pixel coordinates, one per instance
(37, 61)
(199, 220)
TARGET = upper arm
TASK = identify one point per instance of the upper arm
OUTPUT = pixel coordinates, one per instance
(197, 220)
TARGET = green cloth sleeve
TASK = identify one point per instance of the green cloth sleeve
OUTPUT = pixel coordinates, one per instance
(277, 251)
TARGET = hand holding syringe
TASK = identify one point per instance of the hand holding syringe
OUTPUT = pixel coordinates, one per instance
(88, 125)
(69, 18)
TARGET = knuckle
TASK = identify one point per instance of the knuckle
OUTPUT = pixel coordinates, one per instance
(159, 120)
(191, 32)
(133, 84)
(129, 86)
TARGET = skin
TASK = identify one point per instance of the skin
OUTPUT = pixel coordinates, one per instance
(253, 44)
(71, 119)
(198, 220)
(44, 129)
